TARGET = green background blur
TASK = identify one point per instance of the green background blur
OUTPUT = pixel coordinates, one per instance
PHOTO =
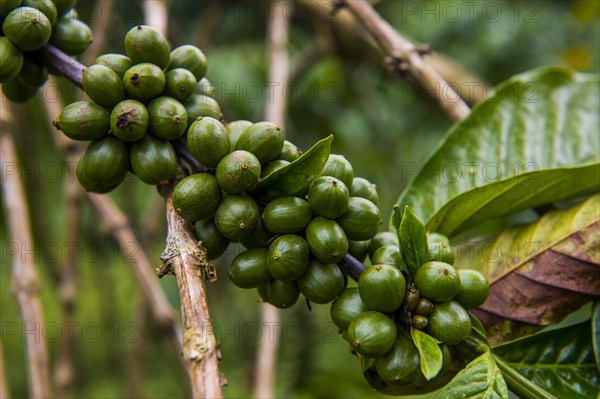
(384, 125)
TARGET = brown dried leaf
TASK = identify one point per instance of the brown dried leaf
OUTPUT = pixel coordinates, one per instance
(541, 272)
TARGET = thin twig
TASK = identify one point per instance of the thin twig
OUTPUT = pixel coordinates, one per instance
(404, 55)
(135, 371)
(99, 30)
(62, 63)
(118, 226)
(187, 260)
(25, 284)
(4, 388)
(64, 372)
(352, 267)
(275, 111)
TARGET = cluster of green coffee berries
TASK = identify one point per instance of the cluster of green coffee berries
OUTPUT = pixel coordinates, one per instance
(140, 103)
(376, 316)
(293, 242)
(27, 26)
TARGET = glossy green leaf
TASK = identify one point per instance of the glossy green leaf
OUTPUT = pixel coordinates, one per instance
(560, 361)
(479, 379)
(413, 241)
(295, 178)
(396, 218)
(533, 141)
(429, 352)
(595, 320)
(538, 273)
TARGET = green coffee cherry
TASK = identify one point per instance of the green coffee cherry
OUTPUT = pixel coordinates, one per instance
(91, 185)
(189, 57)
(436, 237)
(382, 239)
(7, 6)
(424, 307)
(326, 240)
(411, 298)
(167, 118)
(83, 120)
(321, 283)
(129, 120)
(328, 197)
(62, 6)
(153, 160)
(358, 249)
(419, 322)
(33, 74)
(339, 167)
(205, 87)
(263, 139)
(272, 167)
(437, 281)
(365, 189)
(282, 294)
(235, 130)
(103, 85)
(71, 36)
(390, 255)
(362, 219)
(289, 152)
(144, 82)
(442, 252)
(238, 171)
(449, 323)
(117, 62)
(213, 241)
(180, 84)
(346, 308)
(287, 215)
(372, 334)
(197, 197)
(382, 288)
(249, 269)
(11, 61)
(45, 6)
(105, 162)
(207, 139)
(27, 28)
(259, 237)
(288, 257)
(474, 289)
(237, 216)
(401, 364)
(144, 44)
(198, 105)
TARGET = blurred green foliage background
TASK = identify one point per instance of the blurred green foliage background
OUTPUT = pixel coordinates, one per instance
(383, 124)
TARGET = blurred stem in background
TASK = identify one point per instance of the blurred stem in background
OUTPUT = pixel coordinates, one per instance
(25, 282)
(275, 110)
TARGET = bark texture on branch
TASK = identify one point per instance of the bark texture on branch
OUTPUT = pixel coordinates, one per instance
(404, 55)
(25, 284)
(186, 259)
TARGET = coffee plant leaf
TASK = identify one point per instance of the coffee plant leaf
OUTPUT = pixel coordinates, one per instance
(538, 273)
(533, 141)
(560, 361)
(413, 241)
(297, 176)
(429, 353)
